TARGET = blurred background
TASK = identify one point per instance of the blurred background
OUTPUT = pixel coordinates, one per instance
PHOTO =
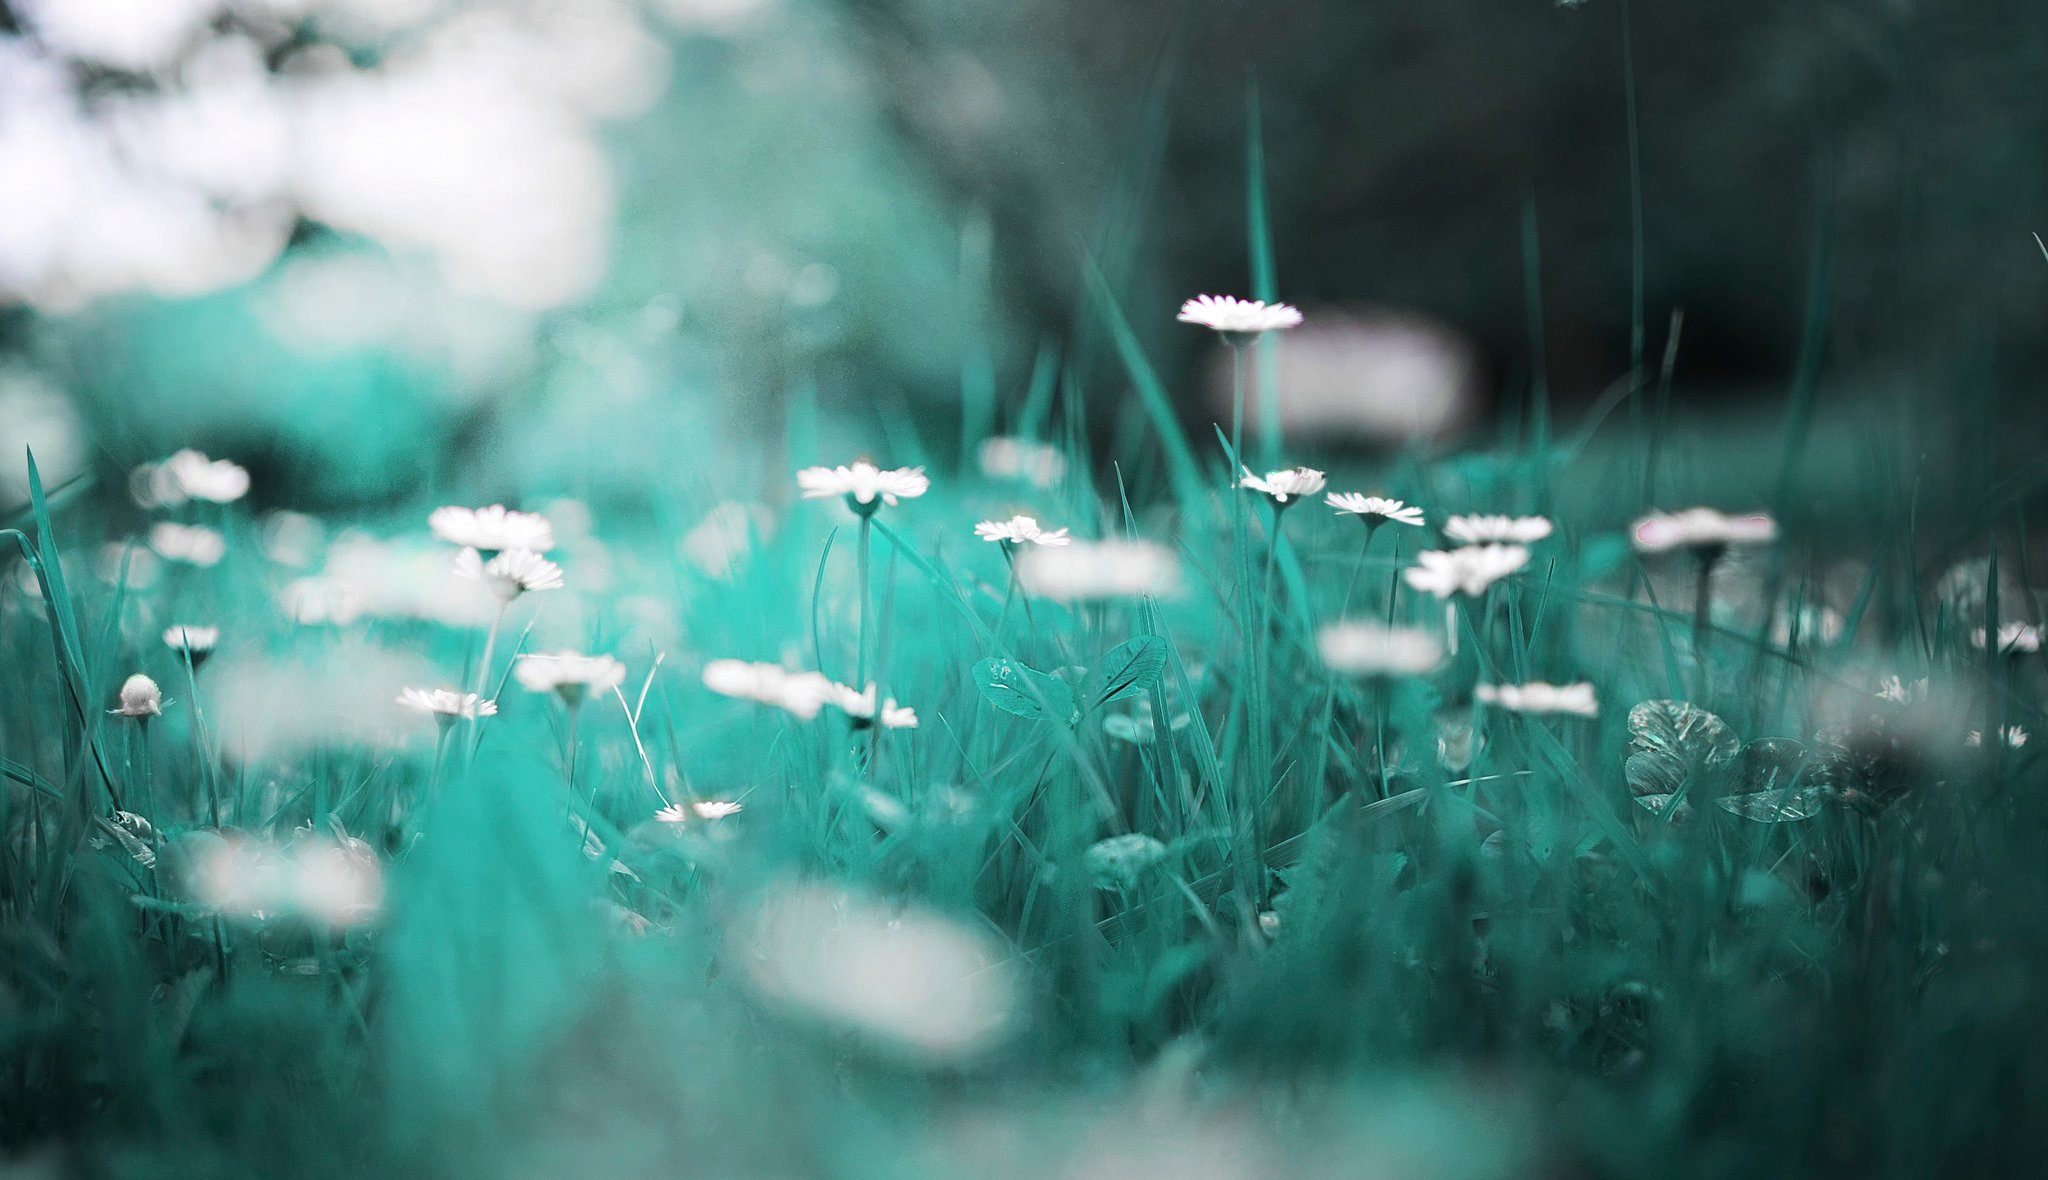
(376, 247)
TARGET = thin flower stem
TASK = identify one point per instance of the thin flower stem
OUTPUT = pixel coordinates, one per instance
(860, 654)
(1236, 399)
(569, 750)
(148, 773)
(483, 671)
(1357, 568)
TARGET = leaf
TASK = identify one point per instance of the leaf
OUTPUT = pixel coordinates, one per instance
(1653, 772)
(1769, 784)
(1024, 691)
(1131, 667)
(1683, 730)
(1770, 807)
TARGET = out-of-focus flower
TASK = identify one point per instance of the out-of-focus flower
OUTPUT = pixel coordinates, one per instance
(1469, 571)
(1497, 530)
(293, 538)
(492, 529)
(568, 674)
(1902, 692)
(2012, 638)
(1385, 378)
(1538, 697)
(445, 705)
(1092, 570)
(1120, 862)
(1236, 318)
(1373, 510)
(801, 694)
(193, 643)
(140, 698)
(1374, 649)
(715, 808)
(903, 977)
(337, 883)
(1039, 464)
(727, 534)
(862, 484)
(190, 543)
(2013, 737)
(1702, 530)
(861, 706)
(1284, 486)
(511, 573)
(1020, 530)
(314, 601)
(200, 478)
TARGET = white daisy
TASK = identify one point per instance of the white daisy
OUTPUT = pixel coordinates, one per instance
(1468, 571)
(861, 707)
(1703, 530)
(1539, 697)
(1019, 530)
(1496, 530)
(201, 478)
(492, 529)
(715, 808)
(140, 698)
(674, 813)
(1285, 485)
(2013, 637)
(863, 483)
(1236, 318)
(1093, 570)
(568, 674)
(1373, 510)
(2014, 736)
(446, 704)
(511, 573)
(1374, 649)
(195, 643)
(189, 543)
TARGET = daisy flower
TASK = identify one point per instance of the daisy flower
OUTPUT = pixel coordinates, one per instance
(2013, 735)
(194, 643)
(2013, 637)
(1902, 692)
(492, 529)
(674, 813)
(446, 704)
(1468, 571)
(1236, 319)
(1702, 530)
(1537, 697)
(140, 698)
(1374, 649)
(1093, 570)
(862, 708)
(511, 573)
(568, 674)
(201, 478)
(1496, 530)
(715, 809)
(189, 543)
(863, 483)
(1285, 485)
(1373, 510)
(1020, 530)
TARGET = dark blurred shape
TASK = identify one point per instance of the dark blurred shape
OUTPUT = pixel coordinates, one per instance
(1404, 139)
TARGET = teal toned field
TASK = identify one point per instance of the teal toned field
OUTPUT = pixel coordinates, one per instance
(1148, 862)
(817, 720)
